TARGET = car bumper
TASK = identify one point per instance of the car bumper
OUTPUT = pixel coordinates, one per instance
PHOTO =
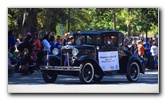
(61, 68)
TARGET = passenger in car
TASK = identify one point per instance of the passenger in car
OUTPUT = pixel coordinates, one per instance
(113, 40)
(107, 40)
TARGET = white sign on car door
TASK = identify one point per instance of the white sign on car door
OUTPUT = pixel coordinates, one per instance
(108, 60)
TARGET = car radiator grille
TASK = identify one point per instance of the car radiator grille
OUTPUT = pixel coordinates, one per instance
(66, 57)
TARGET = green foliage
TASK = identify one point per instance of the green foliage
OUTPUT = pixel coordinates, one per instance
(133, 21)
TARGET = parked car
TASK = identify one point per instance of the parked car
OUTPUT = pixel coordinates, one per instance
(94, 54)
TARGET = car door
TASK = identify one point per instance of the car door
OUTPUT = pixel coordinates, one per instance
(108, 55)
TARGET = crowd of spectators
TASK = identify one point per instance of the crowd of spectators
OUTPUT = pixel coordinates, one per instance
(147, 51)
(30, 49)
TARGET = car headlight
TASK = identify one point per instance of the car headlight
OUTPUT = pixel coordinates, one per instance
(75, 51)
(55, 51)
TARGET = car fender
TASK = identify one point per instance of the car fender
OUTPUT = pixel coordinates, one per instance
(93, 61)
(132, 59)
(128, 53)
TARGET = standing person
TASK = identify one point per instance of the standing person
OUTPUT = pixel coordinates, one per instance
(51, 34)
(19, 40)
(37, 44)
(29, 44)
(134, 44)
(27, 41)
(52, 43)
(130, 45)
(46, 44)
(58, 40)
(55, 44)
(125, 44)
(147, 46)
(40, 36)
(58, 44)
(71, 40)
(11, 41)
(154, 51)
(140, 48)
(66, 37)
(141, 51)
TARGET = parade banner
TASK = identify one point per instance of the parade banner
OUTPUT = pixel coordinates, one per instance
(108, 60)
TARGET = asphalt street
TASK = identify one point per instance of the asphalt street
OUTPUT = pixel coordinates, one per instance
(147, 83)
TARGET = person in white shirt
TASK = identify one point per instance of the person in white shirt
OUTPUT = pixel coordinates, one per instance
(154, 51)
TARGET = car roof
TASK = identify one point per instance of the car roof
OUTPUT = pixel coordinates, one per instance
(98, 32)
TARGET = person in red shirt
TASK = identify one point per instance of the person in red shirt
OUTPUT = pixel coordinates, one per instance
(37, 44)
(141, 48)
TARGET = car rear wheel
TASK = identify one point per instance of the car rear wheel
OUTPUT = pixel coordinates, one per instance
(133, 72)
(87, 73)
(49, 76)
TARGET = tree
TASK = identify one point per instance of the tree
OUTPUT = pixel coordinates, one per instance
(128, 20)
(25, 19)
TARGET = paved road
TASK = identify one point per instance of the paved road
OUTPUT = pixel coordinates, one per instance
(147, 83)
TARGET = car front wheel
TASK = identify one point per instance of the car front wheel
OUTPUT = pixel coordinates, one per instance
(49, 76)
(133, 72)
(86, 73)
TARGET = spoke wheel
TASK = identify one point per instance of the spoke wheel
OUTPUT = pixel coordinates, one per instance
(87, 73)
(49, 76)
(133, 73)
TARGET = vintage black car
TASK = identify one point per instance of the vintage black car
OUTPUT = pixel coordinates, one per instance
(94, 54)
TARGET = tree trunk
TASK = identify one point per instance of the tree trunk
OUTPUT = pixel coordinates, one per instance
(114, 14)
(69, 20)
(128, 30)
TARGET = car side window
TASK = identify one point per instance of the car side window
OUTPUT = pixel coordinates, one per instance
(110, 40)
(80, 40)
(93, 39)
(120, 40)
(89, 39)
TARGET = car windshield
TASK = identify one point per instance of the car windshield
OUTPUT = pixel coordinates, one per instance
(88, 39)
